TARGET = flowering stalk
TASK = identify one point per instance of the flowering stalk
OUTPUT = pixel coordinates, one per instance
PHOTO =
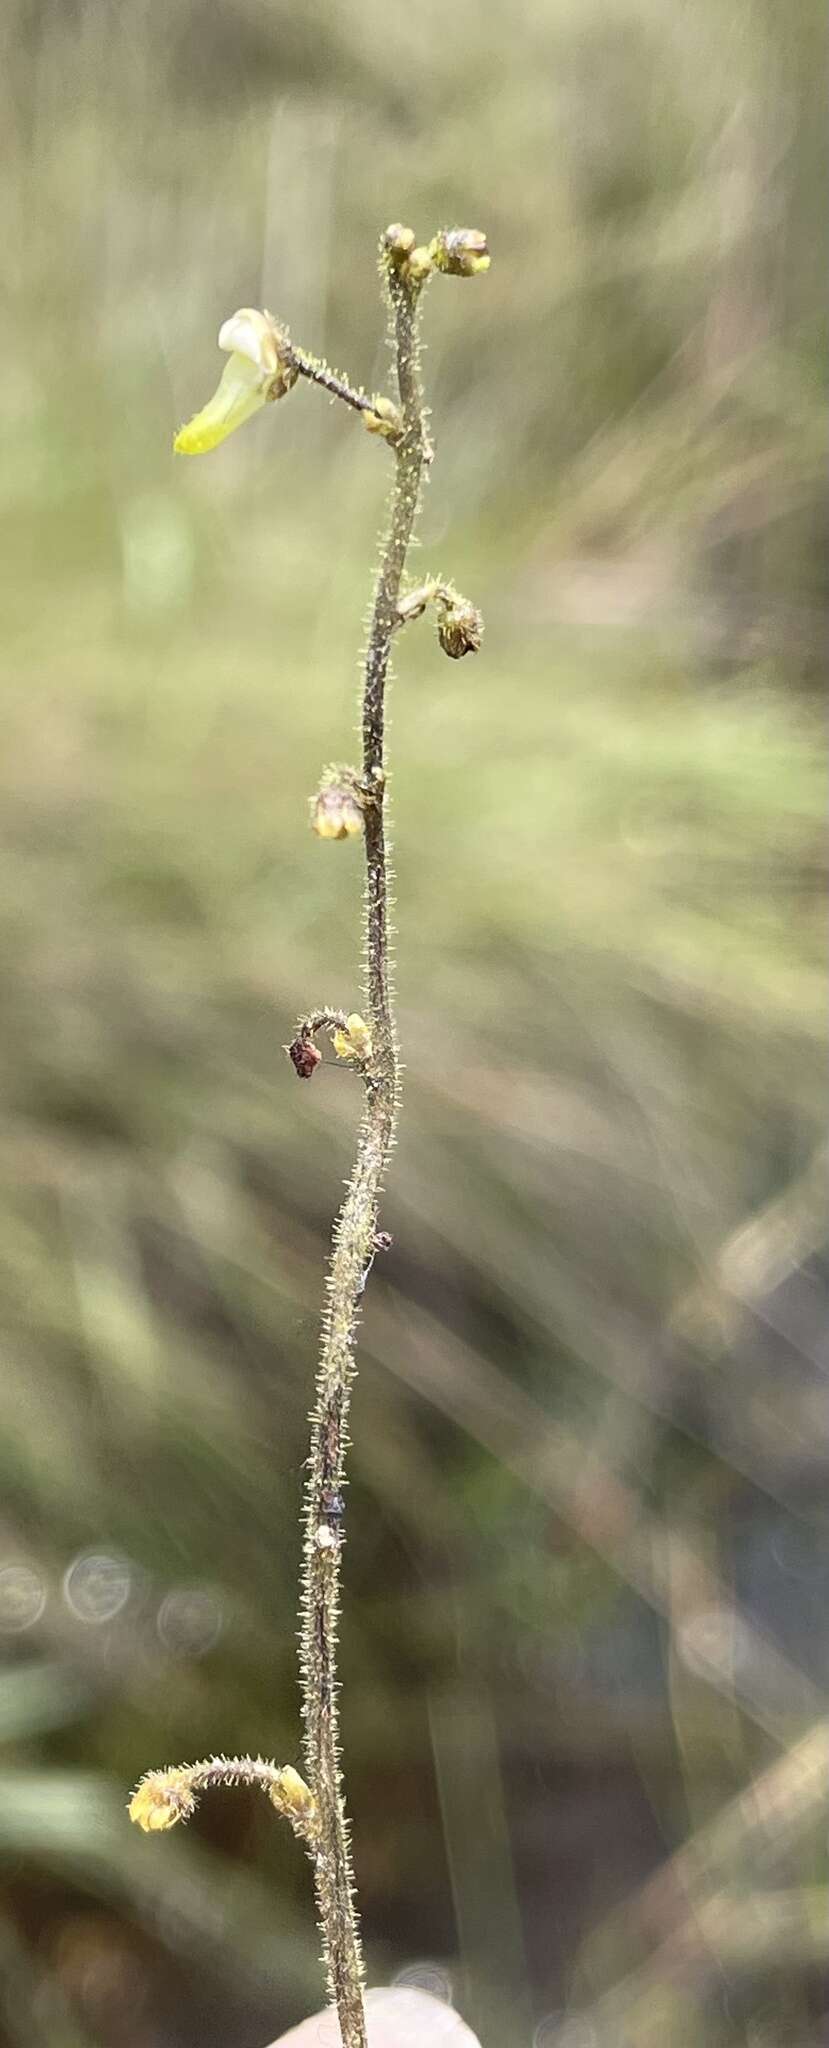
(162, 1798)
(356, 1225)
(264, 365)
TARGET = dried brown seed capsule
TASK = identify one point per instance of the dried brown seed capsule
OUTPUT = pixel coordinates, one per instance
(460, 629)
(304, 1057)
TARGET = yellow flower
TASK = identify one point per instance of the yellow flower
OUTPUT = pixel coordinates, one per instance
(337, 808)
(161, 1799)
(354, 1043)
(259, 370)
(336, 815)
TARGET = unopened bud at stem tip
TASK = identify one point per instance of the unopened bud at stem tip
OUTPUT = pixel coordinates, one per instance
(460, 252)
(398, 242)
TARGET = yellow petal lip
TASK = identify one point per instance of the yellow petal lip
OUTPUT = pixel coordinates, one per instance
(336, 814)
(238, 396)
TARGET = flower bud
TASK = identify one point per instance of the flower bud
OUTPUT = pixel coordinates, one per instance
(460, 252)
(384, 418)
(460, 627)
(293, 1798)
(304, 1057)
(419, 265)
(398, 242)
(337, 808)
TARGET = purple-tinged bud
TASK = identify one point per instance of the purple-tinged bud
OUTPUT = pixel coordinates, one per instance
(398, 242)
(460, 252)
(337, 808)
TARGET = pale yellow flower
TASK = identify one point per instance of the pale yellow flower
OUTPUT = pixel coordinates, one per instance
(336, 815)
(161, 1799)
(337, 808)
(258, 371)
(354, 1043)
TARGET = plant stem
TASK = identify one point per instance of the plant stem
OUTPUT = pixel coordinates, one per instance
(318, 372)
(354, 1230)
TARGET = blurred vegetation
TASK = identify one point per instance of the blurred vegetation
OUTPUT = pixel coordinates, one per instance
(588, 1547)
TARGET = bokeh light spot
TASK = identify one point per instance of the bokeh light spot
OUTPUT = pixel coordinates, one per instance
(22, 1598)
(426, 1976)
(189, 1621)
(97, 1586)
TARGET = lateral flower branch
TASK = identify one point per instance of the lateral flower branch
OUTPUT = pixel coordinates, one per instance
(263, 365)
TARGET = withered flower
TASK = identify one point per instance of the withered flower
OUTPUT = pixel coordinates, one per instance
(304, 1057)
(460, 628)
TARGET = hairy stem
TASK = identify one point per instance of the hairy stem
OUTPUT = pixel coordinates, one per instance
(162, 1798)
(318, 372)
(354, 1230)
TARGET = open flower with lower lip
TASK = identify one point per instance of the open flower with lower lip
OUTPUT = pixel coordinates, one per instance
(259, 369)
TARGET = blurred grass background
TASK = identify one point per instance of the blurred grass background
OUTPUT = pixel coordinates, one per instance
(585, 1651)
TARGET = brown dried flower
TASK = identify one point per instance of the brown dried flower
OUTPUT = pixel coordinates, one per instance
(460, 628)
(304, 1057)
